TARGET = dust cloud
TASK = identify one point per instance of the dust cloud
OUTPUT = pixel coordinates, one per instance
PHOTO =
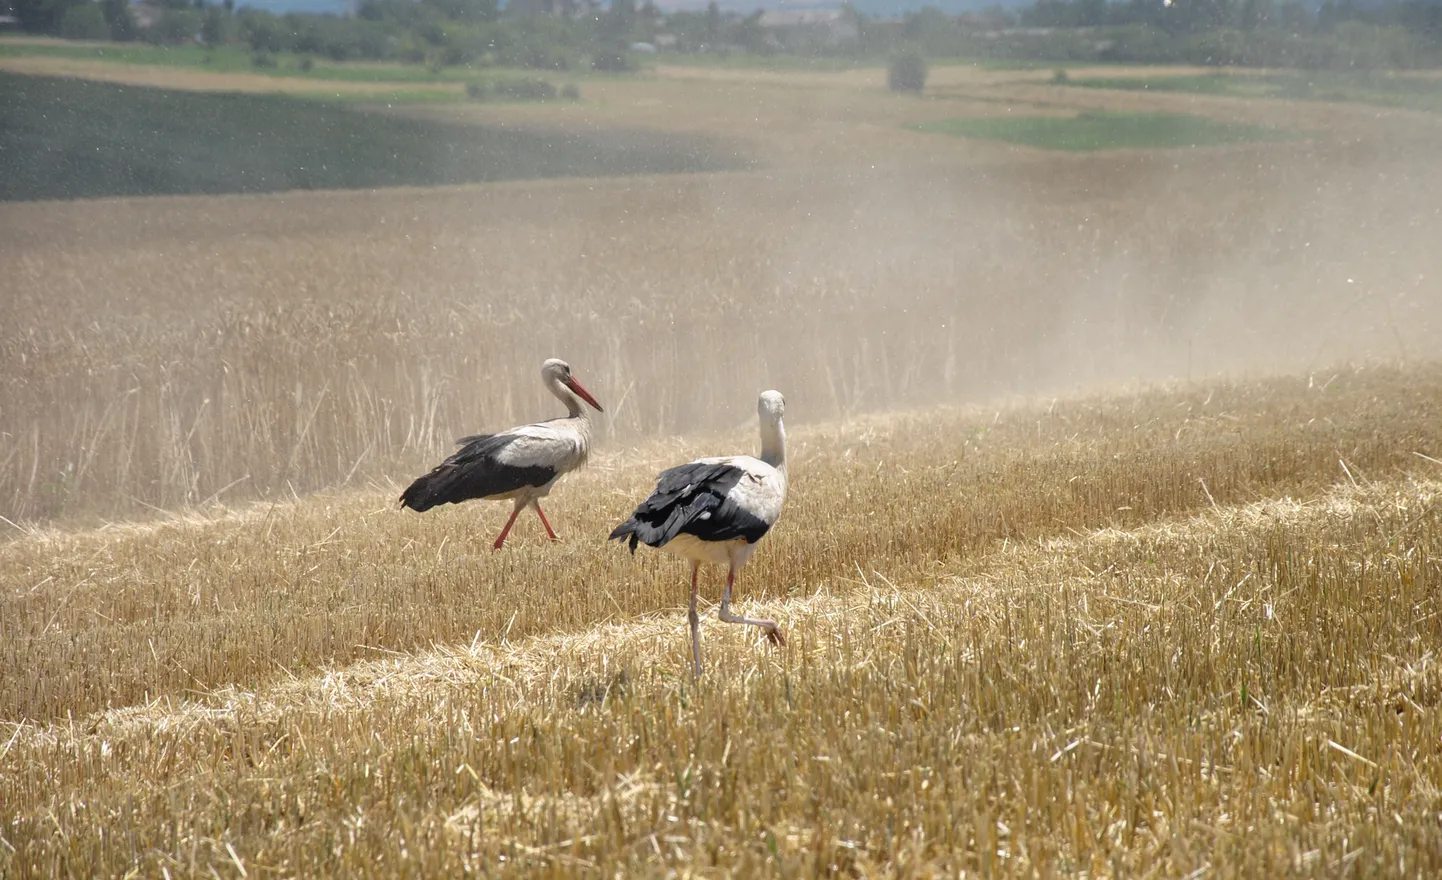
(259, 344)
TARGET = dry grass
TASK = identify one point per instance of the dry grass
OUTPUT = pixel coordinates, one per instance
(1096, 637)
(1184, 629)
(215, 349)
(129, 614)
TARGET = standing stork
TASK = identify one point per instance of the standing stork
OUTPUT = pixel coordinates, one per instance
(521, 464)
(716, 510)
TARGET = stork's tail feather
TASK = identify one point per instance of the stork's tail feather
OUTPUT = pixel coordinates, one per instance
(426, 492)
(641, 531)
(624, 530)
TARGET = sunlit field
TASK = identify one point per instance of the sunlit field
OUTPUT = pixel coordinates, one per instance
(1108, 550)
(1145, 632)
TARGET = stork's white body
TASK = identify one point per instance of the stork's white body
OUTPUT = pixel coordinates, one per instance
(760, 493)
(717, 510)
(519, 465)
(558, 446)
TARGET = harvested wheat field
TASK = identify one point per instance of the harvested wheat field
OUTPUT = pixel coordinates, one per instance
(1108, 548)
(1147, 633)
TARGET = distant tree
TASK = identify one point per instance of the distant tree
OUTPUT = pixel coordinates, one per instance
(1422, 17)
(41, 16)
(1091, 13)
(530, 8)
(619, 22)
(1212, 14)
(120, 20)
(748, 33)
(175, 26)
(712, 31)
(927, 20)
(381, 10)
(1330, 14)
(1148, 13)
(215, 27)
(84, 21)
(907, 72)
(1255, 14)
(1050, 13)
(262, 31)
(1294, 17)
(463, 10)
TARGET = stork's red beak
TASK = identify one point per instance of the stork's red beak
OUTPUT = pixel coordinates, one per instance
(584, 394)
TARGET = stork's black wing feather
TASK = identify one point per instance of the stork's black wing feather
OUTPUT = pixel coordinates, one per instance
(691, 500)
(474, 471)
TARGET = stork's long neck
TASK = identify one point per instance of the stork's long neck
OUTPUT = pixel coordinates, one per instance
(579, 421)
(773, 444)
(574, 407)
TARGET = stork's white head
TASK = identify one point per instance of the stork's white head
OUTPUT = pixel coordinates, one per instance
(555, 370)
(771, 406)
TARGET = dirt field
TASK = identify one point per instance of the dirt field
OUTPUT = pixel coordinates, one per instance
(1108, 551)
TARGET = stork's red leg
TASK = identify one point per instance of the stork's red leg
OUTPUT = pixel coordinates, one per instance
(549, 531)
(695, 620)
(773, 632)
(515, 511)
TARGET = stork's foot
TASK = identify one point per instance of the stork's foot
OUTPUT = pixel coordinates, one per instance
(775, 637)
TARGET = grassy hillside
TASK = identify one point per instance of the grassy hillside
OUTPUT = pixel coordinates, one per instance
(64, 138)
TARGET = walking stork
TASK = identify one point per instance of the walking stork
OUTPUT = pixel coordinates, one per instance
(521, 464)
(716, 510)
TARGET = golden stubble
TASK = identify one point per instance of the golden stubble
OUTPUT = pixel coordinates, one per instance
(1161, 632)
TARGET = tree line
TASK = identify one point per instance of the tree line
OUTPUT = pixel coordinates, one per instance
(567, 34)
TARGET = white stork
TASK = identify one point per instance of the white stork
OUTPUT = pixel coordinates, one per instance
(521, 464)
(716, 510)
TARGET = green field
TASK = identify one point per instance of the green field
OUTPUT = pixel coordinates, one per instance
(69, 138)
(1386, 90)
(1103, 130)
